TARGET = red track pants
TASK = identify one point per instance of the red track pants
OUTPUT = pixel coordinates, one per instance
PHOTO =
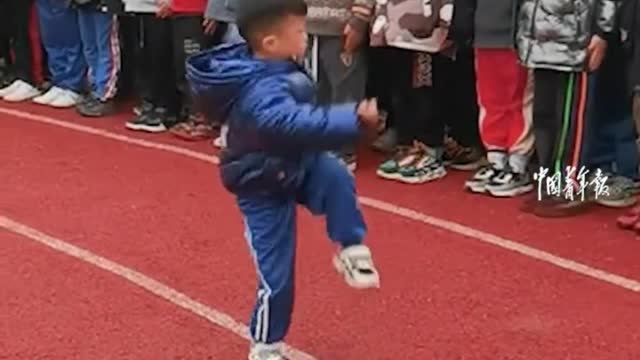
(505, 97)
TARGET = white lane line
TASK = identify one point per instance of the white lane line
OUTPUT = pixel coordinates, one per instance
(507, 244)
(153, 286)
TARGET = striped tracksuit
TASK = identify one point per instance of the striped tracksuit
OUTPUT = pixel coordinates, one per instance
(101, 46)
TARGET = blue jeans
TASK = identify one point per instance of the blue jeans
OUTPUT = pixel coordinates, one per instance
(60, 33)
(610, 142)
(101, 44)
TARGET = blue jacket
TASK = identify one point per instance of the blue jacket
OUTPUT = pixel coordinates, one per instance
(274, 124)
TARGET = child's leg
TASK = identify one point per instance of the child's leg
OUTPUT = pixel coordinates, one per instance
(270, 233)
(108, 64)
(560, 106)
(60, 35)
(188, 39)
(328, 189)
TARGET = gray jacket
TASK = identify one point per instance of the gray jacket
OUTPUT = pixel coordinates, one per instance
(495, 24)
(554, 34)
(221, 10)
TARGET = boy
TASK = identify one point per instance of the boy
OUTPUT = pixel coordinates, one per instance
(427, 77)
(505, 96)
(275, 156)
(339, 30)
(561, 44)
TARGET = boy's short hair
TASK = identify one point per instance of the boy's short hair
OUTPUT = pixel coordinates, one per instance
(254, 16)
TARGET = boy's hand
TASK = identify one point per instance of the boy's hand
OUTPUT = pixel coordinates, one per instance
(352, 39)
(596, 51)
(209, 26)
(368, 113)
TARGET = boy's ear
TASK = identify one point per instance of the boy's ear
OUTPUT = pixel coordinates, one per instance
(269, 42)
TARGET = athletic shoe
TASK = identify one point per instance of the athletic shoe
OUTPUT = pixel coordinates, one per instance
(480, 179)
(49, 96)
(425, 167)
(266, 352)
(144, 106)
(150, 121)
(620, 193)
(462, 158)
(390, 168)
(92, 107)
(559, 207)
(22, 92)
(356, 265)
(9, 88)
(65, 99)
(509, 184)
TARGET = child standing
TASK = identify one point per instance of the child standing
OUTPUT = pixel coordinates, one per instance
(505, 96)
(339, 30)
(275, 156)
(562, 40)
(423, 64)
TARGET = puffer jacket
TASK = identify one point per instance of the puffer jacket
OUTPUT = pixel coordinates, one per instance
(554, 34)
(419, 25)
(273, 123)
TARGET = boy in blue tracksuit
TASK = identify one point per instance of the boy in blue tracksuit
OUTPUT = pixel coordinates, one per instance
(276, 156)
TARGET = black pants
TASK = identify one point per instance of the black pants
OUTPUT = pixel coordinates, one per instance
(14, 25)
(559, 111)
(167, 45)
(430, 92)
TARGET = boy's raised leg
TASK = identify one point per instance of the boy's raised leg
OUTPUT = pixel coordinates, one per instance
(328, 189)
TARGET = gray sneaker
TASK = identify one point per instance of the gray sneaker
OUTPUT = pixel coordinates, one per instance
(620, 193)
(510, 184)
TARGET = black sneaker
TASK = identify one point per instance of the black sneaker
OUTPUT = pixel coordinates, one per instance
(480, 179)
(150, 121)
(143, 107)
(462, 158)
(96, 108)
(510, 184)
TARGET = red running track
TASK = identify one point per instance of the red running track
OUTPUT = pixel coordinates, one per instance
(444, 296)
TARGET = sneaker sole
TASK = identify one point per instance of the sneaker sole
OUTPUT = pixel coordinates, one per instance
(342, 270)
(421, 180)
(476, 188)
(467, 167)
(388, 176)
(146, 128)
(512, 192)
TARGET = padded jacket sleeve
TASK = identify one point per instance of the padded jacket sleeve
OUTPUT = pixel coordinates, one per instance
(276, 114)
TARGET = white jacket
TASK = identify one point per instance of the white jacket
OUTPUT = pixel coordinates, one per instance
(140, 6)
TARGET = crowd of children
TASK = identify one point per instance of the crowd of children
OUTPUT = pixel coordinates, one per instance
(499, 88)
(535, 97)
(464, 84)
(494, 87)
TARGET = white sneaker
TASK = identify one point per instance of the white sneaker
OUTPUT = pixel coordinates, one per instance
(65, 99)
(6, 90)
(23, 91)
(49, 96)
(266, 352)
(356, 264)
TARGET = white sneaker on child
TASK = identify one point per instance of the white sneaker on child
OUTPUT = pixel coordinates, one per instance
(6, 90)
(356, 264)
(65, 99)
(266, 352)
(48, 97)
(23, 91)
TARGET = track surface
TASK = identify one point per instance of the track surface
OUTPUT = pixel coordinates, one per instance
(444, 295)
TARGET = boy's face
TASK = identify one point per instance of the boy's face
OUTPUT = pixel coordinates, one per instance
(286, 40)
